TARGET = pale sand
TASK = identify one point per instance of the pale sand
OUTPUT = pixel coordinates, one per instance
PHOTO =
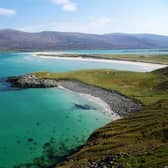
(96, 100)
(145, 65)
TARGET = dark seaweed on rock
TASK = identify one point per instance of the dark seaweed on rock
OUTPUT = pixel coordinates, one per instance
(30, 139)
(6, 86)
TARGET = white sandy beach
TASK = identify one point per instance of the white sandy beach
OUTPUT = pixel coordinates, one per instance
(98, 101)
(101, 103)
(145, 65)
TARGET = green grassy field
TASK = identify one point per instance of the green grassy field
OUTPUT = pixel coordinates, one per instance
(161, 59)
(142, 137)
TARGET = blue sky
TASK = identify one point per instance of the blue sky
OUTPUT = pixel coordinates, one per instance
(89, 16)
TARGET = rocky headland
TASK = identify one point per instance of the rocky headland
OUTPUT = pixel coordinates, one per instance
(31, 81)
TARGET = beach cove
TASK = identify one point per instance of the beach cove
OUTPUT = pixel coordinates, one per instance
(14, 64)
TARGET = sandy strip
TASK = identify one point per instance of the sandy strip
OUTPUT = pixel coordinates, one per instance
(96, 100)
(150, 65)
(101, 103)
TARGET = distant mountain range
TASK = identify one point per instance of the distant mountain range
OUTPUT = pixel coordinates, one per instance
(49, 40)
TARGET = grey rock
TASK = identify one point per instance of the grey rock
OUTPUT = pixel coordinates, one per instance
(31, 81)
(107, 162)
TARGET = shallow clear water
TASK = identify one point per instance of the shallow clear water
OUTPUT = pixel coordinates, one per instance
(42, 114)
(30, 118)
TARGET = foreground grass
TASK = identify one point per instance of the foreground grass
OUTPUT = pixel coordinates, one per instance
(161, 59)
(141, 139)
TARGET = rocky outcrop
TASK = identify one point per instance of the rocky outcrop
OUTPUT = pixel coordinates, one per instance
(31, 81)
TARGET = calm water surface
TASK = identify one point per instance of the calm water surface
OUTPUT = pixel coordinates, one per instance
(31, 118)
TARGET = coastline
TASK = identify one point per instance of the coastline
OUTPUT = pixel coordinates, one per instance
(97, 101)
(103, 60)
(129, 127)
(113, 102)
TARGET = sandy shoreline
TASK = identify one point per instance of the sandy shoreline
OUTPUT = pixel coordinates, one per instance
(115, 104)
(143, 64)
(98, 101)
(112, 102)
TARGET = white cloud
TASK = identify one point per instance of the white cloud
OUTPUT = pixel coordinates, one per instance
(67, 5)
(7, 12)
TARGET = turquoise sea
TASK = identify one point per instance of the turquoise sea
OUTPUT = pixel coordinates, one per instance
(33, 119)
